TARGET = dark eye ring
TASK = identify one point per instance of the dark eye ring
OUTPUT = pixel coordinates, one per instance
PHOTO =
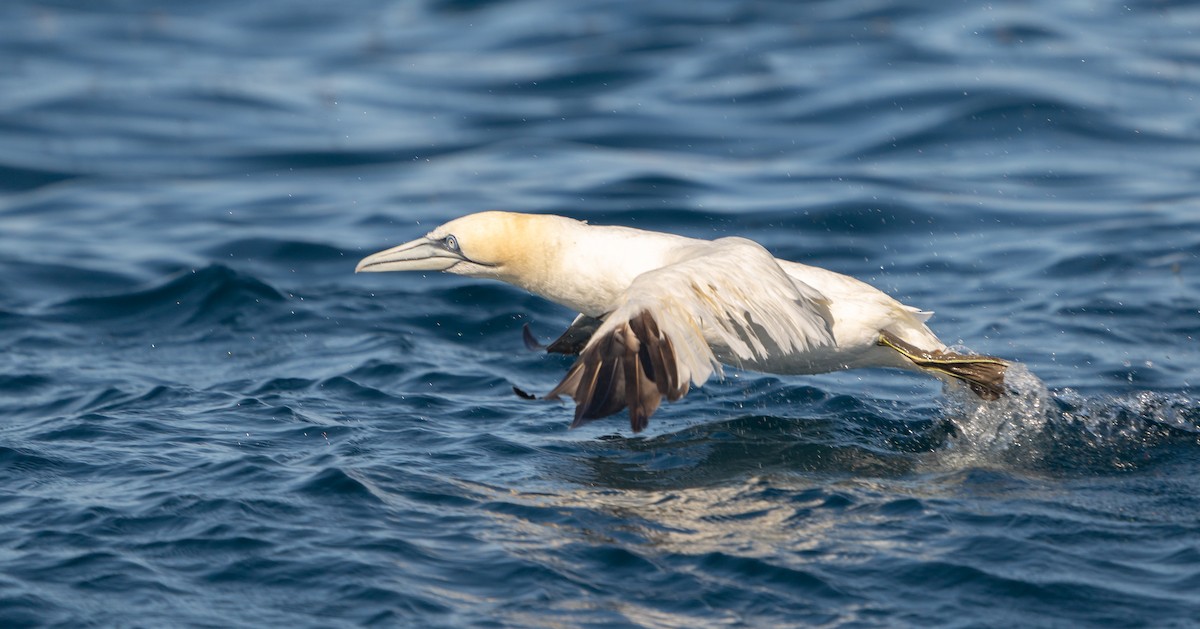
(451, 243)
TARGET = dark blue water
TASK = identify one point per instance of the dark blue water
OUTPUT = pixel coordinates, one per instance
(206, 419)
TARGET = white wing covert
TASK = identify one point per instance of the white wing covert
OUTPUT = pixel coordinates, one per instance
(660, 339)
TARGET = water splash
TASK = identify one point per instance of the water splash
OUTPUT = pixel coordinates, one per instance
(1065, 431)
(1006, 424)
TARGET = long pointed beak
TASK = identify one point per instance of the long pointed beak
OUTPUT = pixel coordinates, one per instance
(421, 254)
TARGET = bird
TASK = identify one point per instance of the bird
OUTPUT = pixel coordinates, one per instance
(660, 313)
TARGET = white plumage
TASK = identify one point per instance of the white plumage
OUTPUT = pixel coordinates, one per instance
(668, 311)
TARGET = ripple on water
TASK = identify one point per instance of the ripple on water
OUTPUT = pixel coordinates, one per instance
(209, 420)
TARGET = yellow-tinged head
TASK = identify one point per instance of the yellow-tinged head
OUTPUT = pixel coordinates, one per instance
(515, 248)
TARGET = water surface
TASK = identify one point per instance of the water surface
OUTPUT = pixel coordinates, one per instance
(206, 419)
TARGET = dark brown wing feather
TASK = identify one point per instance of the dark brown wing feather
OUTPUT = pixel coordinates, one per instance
(634, 366)
(570, 342)
(573, 340)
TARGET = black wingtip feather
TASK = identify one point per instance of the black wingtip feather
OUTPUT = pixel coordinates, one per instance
(632, 367)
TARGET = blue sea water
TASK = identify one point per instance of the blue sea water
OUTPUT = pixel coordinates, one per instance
(206, 419)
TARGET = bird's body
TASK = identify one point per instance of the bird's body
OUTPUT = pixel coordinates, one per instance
(668, 311)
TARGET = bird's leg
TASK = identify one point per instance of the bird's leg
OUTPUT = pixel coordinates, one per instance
(531, 342)
(523, 394)
(984, 374)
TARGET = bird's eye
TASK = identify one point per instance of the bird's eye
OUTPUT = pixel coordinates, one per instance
(451, 243)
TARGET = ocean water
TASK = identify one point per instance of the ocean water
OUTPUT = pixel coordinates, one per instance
(207, 420)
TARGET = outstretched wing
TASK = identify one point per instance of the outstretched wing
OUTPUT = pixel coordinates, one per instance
(730, 294)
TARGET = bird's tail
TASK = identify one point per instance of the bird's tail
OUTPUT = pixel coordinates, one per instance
(984, 374)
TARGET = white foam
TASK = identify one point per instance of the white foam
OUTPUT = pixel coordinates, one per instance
(1005, 426)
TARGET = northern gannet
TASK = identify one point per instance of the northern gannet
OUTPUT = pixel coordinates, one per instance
(660, 312)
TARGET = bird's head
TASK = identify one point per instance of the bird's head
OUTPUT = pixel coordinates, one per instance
(500, 245)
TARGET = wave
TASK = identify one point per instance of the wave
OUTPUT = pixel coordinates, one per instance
(215, 294)
(25, 178)
(279, 251)
(814, 430)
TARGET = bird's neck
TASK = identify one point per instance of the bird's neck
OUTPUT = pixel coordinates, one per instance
(587, 268)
